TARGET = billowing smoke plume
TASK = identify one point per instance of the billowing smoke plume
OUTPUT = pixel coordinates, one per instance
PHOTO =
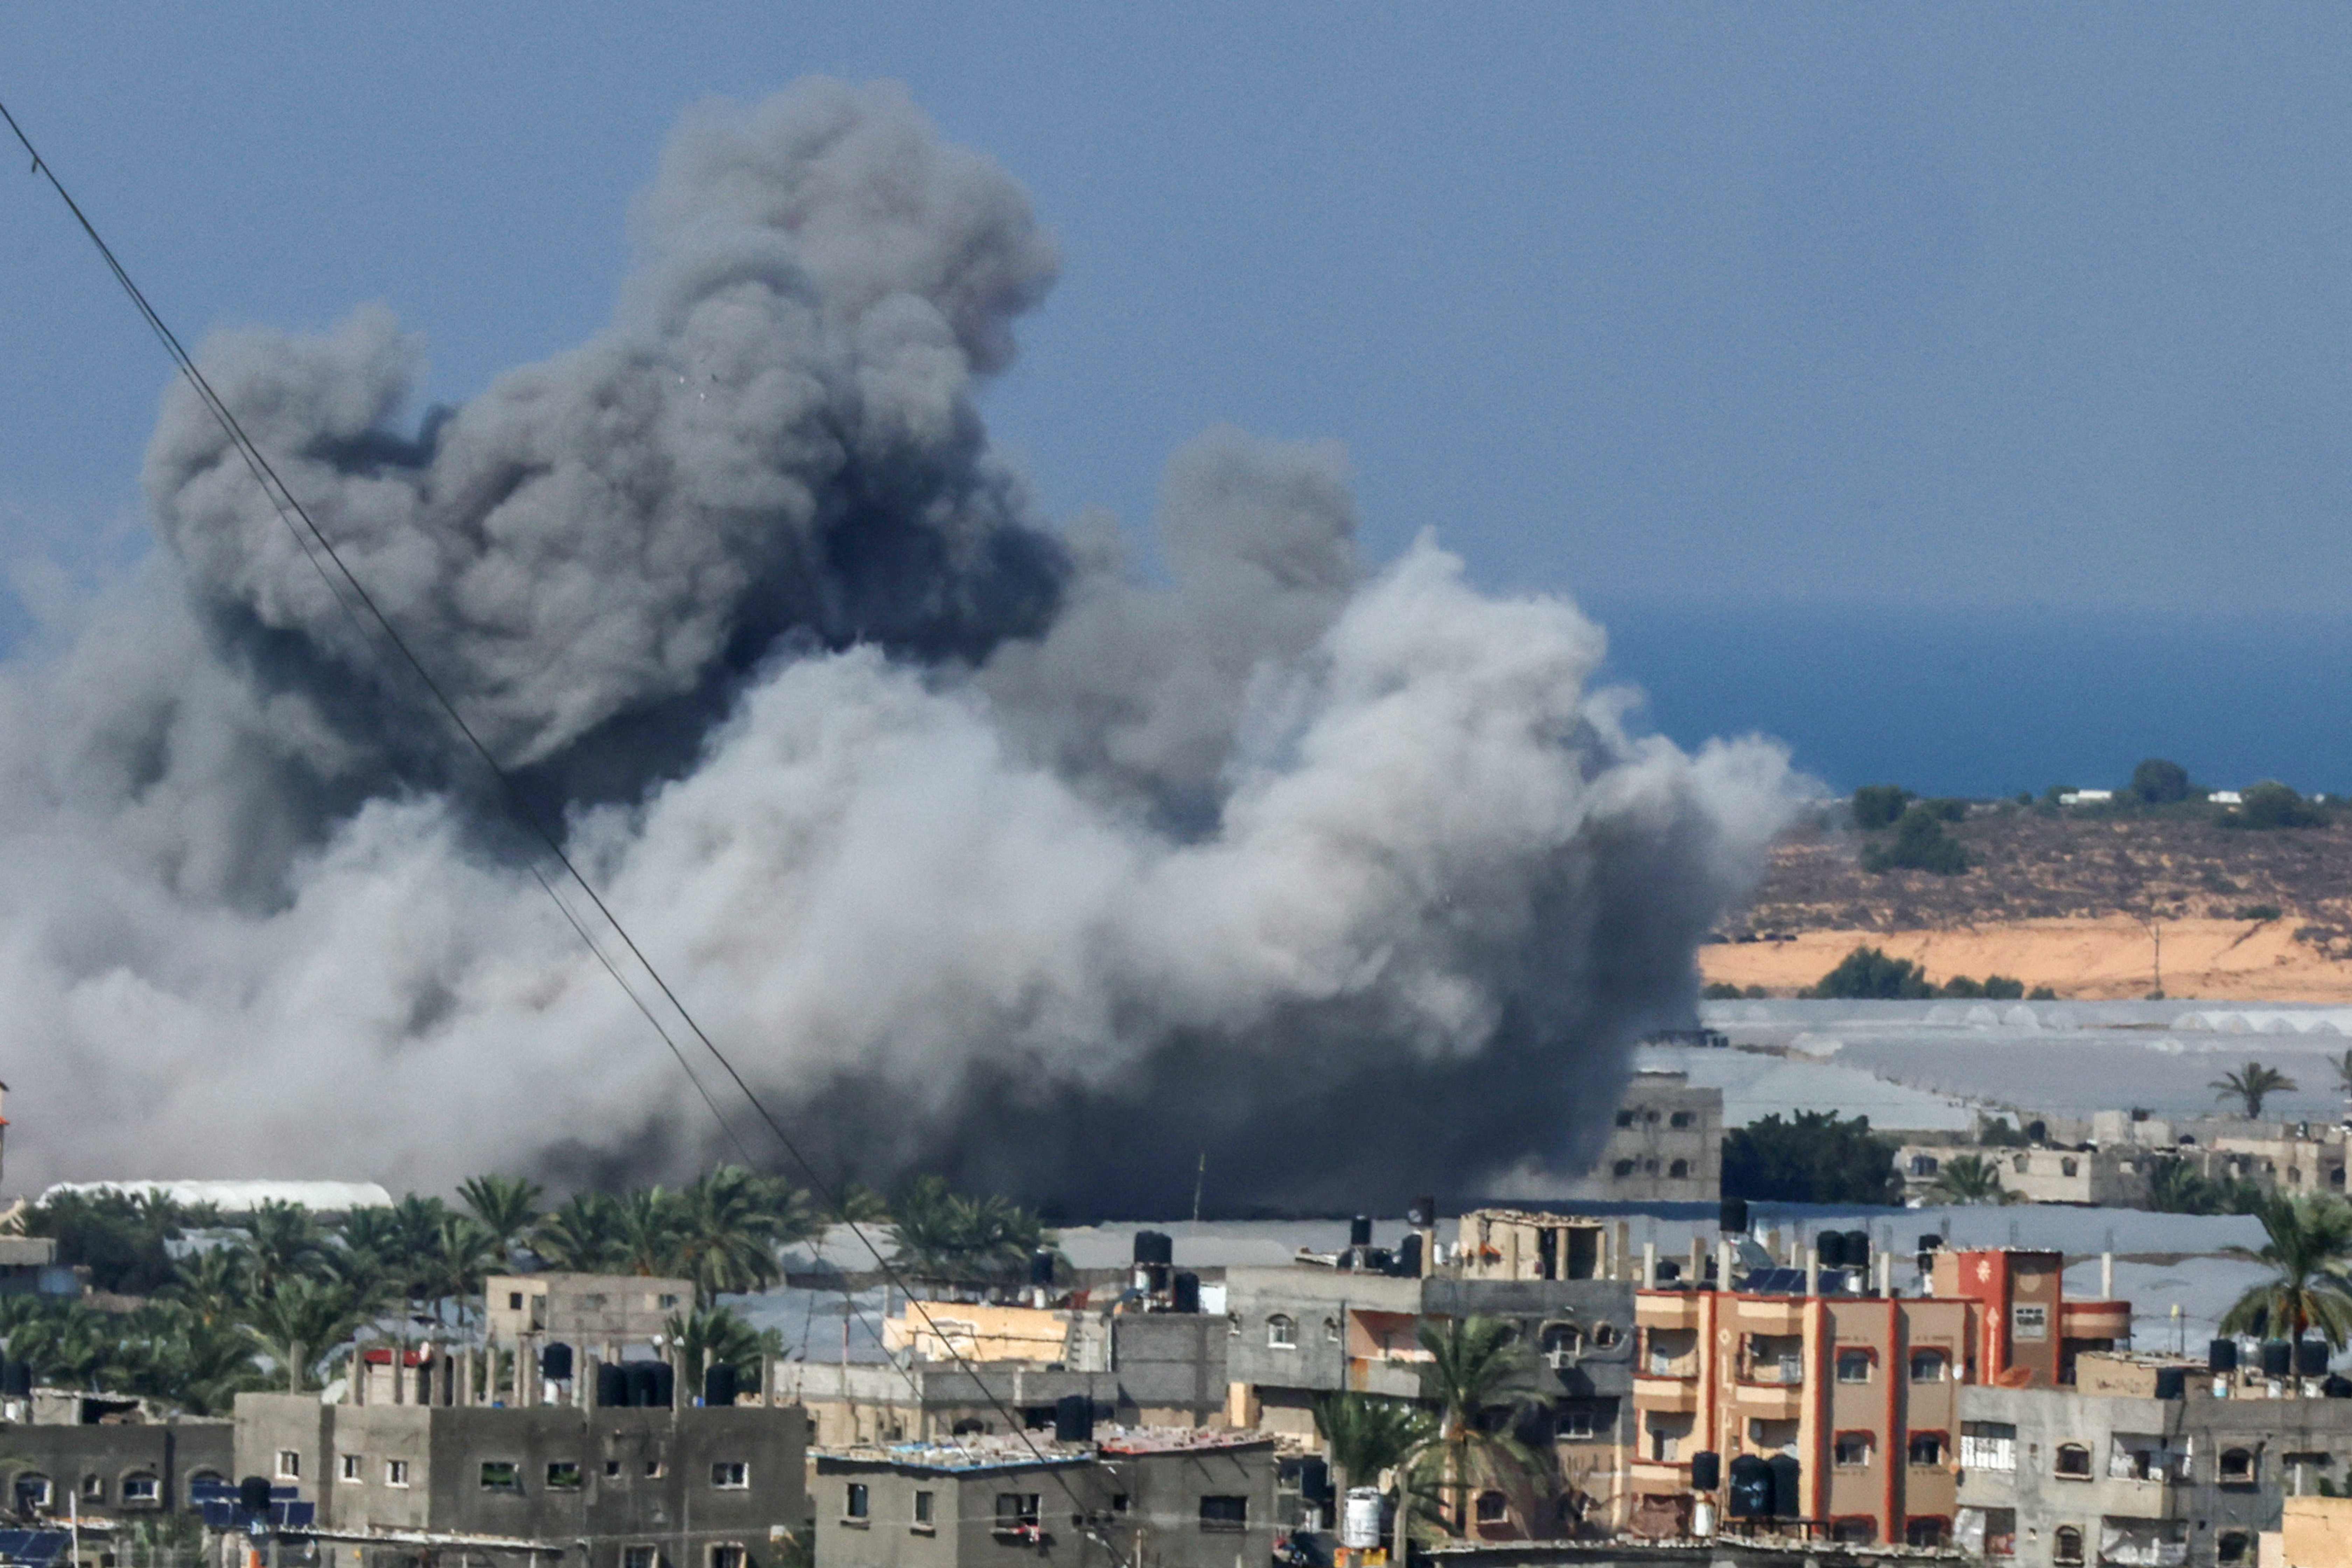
(978, 853)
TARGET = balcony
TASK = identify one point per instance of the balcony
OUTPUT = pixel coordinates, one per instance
(1665, 1309)
(1672, 1393)
(1768, 1315)
(1768, 1402)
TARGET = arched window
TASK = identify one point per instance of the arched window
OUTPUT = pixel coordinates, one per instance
(1679, 1169)
(1331, 1331)
(1859, 1531)
(1854, 1365)
(2019, 1163)
(142, 1489)
(1282, 1331)
(2073, 1461)
(1493, 1507)
(1926, 1449)
(2231, 1547)
(1622, 1168)
(2237, 1467)
(1681, 1119)
(1930, 1531)
(197, 1482)
(1604, 1335)
(2066, 1546)
(1929, 1366)
(34, 1493)
(1562, 1343)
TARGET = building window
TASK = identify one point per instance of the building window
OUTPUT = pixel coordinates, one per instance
(666, 1302)
(289, 1465)
(1493, 1507)
(1282, 1333)
(1855, 1531)
(1989, 1445)
(923, 1510)
(727, 1554)
(1926, 1448)
(395, 1472)
(1604, 1334)
(2029, 1323)
(640, 1557)
(1227, 1512)
(856, 1501)
(2237, 1467)
(1852, 1449)
(1622, 1168)
(1924, 1165)
(1331, 1331)
(1679, 1169)
(2066, 1546)
(93, 1488)
(1929, 1533)
(2020, 1164)
(563, 1475)
(2231, 1547)
(514, 1301)
(1016, 1513)
(501, 1476)
(141, 1489)
(1853, 1366)
(1929, 1366)
(731, 1475)
(611, 1469)
(655, 1469)
(1627, 1118)
(2073, 1461)
(2070, 1166)
(1562, 1343)
(1577, 1423)
(352, 1467)
(1680, 1119)
(1650, 1116)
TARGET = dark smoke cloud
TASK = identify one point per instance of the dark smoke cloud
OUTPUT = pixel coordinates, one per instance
(980, 853)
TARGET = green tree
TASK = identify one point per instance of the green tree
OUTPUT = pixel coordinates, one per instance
(1473, 1361)
(1879, 805)
(122, 1239)
(1968, 1179)
(300, 1323)
(648, 1231)
(507, 1206)
(2271, 805)
(727, 1227)
(2157, 782)
(585, 1237)
(212, 1285)
(463, 1253)
(282, 1241)
(1920, 844)
(1962, 985)
(2042, 993)
(1868, 973)
(2308, 1242)
(1367, 1435)
(1818, 1158)
(718, 1336)
(2251, 1088)
(941, 1235)
(2003, 988)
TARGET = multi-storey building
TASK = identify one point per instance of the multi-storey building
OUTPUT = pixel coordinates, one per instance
(1665, 1145)
(1856, 1390)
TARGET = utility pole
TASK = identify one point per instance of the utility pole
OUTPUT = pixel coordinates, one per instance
(1200, 1181)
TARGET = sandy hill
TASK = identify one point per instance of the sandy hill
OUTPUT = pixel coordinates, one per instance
(2090, 906)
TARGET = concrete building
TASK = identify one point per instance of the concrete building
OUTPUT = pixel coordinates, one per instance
(1171, 1499)
(111, 1459)
(622, 1487)
(1859, 1390)
(2102, 1176)
(1534, 1244)
(2147, 1460)
(1666, 1145)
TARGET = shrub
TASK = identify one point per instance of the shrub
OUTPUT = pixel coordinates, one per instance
(1818, 1158)
(2271, 803)
(2042, 993)
(1962, 985)
(2002, 988)
(1720, 991)
(1920, 844)
(1868, 974)
(2260, 912)
(1879, 805)
(2158, 782)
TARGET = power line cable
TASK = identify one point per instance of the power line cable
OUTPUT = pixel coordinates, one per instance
(289, 509)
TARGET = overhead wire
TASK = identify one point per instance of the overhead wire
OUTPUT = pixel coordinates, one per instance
(299, 523)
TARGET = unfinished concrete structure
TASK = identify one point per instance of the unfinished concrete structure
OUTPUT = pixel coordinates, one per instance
(620, 1487)
(1174, 1500)
(1665, 1144)
(105, 1458)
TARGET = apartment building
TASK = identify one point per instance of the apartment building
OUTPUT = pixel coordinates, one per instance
(1665, 1144)
(1851, 1396)
(1172, 1499)
(2109, 1177)
(107, 1459)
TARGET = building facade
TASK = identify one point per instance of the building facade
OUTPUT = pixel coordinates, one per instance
(1665, 1144)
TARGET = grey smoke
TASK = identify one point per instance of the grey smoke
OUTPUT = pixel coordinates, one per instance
(981, 853)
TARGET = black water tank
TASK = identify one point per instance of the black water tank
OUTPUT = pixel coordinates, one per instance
(1751, 1488)
(1185, 1292)
(1931, 1242)
(719, 1386)
(253, 1497)
(2278, 1358)
(612, 1383)
(1706, 1470)
(1409, 1262)
(2337, 1386)
(2171, 1381)
(1857, 1249)
(2311, 1358)
(1668, 1271)
(1074, 1420)
(1422, 1213)
(555, 1364)
(665, 1386)
(1041, 1267)
(1315, 1482)
(1360, 1231)
(1154, 1247)
(2221, 1355)
(1831, 1245)
(1731, 1216)
(16, 1378)
(1786, 1500)
(1378, 1260)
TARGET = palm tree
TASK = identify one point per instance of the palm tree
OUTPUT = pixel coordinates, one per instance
(2251, 1087)
(282, 1242)
(716, 1336)
(944, 1236)
(1369, 1436)
(1969, 1179)
(299, 1323)
(2309, 1244)
(648, 1232)
(726, 1228)
(1473, 1361)
(212, 1284)
(507, 1206)
(464, 1250)
(584, 1236)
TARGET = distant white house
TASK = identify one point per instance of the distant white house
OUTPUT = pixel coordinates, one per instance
(2225, 797)
(2087, 797)
(243, 1197)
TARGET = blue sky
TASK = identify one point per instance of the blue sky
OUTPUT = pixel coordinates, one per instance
(1959, 393)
